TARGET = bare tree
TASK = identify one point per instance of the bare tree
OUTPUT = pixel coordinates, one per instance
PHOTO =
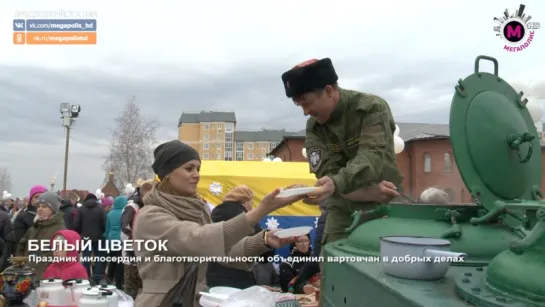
(5, 179)
(131, 149)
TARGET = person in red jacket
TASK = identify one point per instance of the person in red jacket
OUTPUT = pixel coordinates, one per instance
(66, 265)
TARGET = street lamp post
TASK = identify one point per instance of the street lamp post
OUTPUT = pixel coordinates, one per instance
(68, 112)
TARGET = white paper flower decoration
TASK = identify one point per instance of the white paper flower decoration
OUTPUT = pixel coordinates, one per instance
(272, 223)
(129, 189)
(6, 195)
(99, 194)
(216, 188)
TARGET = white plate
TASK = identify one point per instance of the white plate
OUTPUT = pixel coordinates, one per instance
(218, 298)
(297, 191)
(293, 232)
(223, 290)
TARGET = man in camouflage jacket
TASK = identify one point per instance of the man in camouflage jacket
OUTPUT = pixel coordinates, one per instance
(349, 144)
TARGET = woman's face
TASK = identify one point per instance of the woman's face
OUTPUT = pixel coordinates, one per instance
(185, 178)
(44, 212)
(302, 243)
(34, 200)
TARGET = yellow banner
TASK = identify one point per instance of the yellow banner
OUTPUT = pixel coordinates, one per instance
(219, 177)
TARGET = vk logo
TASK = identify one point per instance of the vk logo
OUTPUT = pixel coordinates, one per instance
(19, 25)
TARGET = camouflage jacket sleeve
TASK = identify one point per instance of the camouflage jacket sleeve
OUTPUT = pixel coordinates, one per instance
(375, 157)
(331, 163)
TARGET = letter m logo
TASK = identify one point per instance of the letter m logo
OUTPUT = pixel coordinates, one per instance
(516, 32)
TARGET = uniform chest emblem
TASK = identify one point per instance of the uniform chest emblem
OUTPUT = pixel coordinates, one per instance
(315, 157)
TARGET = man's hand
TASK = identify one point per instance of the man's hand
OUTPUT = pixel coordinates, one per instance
(383, 192)
(276, 242)
(326, 188)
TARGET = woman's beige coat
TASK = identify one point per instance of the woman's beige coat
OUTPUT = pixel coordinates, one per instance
(185, 223)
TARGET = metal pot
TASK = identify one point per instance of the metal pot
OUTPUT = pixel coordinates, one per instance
(94, 297)
(53, 292)
(75, 288)
(418, 258)
(17, 281)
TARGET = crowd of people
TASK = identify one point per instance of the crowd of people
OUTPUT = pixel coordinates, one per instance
(43, 215)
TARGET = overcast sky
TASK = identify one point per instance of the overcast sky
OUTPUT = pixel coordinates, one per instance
(179, 56)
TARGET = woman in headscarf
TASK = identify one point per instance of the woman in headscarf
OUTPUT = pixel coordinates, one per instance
(175, 214)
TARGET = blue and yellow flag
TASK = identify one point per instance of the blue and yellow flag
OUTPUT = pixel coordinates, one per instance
(219, 177)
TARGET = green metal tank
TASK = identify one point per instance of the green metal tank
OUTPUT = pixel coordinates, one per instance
(498, 154)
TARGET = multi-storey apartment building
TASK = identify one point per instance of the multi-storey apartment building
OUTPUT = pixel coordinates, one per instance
(214, 136)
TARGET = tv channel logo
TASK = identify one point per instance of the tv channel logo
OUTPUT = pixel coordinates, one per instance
(516, 30)
(19, 25)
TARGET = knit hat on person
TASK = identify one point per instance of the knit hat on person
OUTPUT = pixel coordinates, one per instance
(107, 201)
(52, 200)
(90, 196)
(171, 155)
(35, 190)
(239, 194)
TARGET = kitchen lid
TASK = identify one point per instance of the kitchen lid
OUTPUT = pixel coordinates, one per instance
(92, 291)
(494, 140)
(51, 281)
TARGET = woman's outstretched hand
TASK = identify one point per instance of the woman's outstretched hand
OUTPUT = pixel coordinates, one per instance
(270, 203)
(277, 242)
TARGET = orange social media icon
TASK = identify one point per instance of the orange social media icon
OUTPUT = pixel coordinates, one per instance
(19, 38)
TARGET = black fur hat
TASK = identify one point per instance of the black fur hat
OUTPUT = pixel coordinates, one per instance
(307, 76)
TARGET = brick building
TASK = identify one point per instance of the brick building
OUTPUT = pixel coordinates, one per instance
(427, 159)
(110, 189)
(290, 148)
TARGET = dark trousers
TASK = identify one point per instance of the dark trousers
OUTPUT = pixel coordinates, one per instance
(97, 265)
(115, 270)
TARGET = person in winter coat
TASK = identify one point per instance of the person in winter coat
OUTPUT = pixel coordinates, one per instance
(237, 201)
(90, 223)
(133, 282)
(264, 272)
(65, 267)
(113, 233)
(173, 213)
(49, 220)
(69, 212)
(19, 208)
(7, 240)
(301, 249)
(25, 219)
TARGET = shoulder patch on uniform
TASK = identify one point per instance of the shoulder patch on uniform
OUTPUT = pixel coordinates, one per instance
(315, 156)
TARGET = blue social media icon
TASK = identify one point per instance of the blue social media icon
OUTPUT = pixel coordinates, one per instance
(19, 25)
